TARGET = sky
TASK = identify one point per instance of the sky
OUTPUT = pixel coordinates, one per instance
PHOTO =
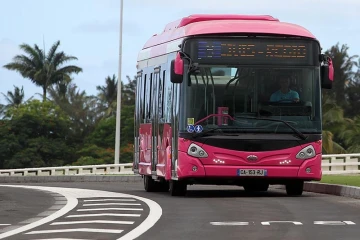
(90, 30)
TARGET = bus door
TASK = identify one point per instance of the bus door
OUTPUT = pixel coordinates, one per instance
(174, 124)
(155, 120)
(137, 120)
(146, 125)
(161, 136)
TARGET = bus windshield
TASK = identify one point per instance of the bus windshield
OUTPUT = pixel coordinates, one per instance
(247, 94)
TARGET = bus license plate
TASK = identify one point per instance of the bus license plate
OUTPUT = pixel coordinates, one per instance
(252, 172)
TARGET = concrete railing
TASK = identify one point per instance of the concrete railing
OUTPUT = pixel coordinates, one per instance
(104, 169)
(331, 164)
(341, 163)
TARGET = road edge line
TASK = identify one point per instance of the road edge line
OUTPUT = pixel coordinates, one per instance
(70, 178)
(70, 205)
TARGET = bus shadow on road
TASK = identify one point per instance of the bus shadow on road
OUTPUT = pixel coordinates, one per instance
(239, 193)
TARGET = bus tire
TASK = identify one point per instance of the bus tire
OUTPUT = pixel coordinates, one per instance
(295, 188)
(149, 184)
(178, 188)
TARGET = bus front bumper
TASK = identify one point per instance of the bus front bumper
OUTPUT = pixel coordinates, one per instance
(190, 167)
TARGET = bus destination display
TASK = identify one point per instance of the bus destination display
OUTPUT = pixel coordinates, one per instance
(253, 51)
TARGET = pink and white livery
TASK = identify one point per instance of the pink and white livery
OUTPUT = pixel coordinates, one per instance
(230, 100)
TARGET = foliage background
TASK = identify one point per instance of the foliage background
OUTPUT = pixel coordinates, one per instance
(70, 127)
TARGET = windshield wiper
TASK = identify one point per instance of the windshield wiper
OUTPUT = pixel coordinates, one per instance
(220, 128)
(300, 134)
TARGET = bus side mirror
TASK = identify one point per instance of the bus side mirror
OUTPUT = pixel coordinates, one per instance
(327, 74)
(177, 69)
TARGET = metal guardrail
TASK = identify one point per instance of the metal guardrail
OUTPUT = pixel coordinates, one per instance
(104, 169)
(331, 164)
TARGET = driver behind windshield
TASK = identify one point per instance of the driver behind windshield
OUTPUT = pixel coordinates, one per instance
(284, 93)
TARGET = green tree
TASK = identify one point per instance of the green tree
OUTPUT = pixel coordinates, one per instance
(35, 134)
(43, 70)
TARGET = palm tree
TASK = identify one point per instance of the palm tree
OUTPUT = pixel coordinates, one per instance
(334, 123)
(128, 91)
(351, 135)
(343, 66)
(107, 95)
(43, 70)
(83, 110)
(14, 99)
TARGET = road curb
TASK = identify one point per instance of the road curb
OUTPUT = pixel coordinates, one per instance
(77, 178)
(333, 189)
(330, 189)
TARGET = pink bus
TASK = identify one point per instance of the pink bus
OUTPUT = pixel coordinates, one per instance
(230, 100)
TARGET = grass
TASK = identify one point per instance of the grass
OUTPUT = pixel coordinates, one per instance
(350, 180)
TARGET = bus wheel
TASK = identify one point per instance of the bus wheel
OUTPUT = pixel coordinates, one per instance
(149, 184)
(178, 188)
(295, 188)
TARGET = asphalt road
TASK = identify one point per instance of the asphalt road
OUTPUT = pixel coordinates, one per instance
(211, 213)
(18, 207)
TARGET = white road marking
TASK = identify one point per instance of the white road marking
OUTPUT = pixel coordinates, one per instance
(92, 221)
(334, 223)
(60, 239)
(5, 224)
(230, 223)
(71, 204)
(293, 222)
(73, 194)
(105, 215)
(349, 222)
(268, 223)
(97, 230)
(109, 204)
(109, 209)
(114, 199)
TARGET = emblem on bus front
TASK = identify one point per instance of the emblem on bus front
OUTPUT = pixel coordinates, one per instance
(252, 158)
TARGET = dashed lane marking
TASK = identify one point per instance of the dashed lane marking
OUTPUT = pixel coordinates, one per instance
(92, 221)
(94, 230)
(104, 215)
(109, 209)
(72, 196)
(110, 204)
(110, 200)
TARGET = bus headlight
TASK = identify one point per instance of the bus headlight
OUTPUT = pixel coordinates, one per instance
(305, 153)
(196, 151)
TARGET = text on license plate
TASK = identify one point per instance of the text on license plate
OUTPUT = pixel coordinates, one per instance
(251, 172)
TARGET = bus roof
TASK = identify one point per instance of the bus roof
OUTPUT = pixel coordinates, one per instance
(199, 24)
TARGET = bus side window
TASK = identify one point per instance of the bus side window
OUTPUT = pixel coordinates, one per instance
(143, 102)
(162, 91)
(150, 97)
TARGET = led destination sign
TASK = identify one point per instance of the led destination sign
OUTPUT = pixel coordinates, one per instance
(253, 51)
